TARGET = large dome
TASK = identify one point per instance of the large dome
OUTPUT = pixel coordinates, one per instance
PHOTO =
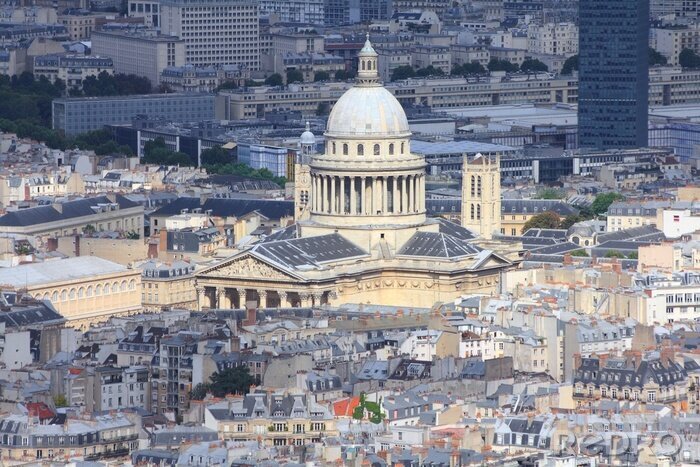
(367, 111)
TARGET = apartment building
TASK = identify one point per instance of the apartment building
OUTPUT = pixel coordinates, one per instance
(79, 27)
(438, 57)
(275, 419)
(168, 285)
(623, 215)
(172, 372)
(464, 54)
(139, 52)
(106, 436)
(215, 32)
(149, 10)
(670, 41)
(115, 388)
(553, 39)
(71, 69)
(295, 11)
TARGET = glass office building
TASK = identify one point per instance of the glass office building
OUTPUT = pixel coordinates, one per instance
(613, 73)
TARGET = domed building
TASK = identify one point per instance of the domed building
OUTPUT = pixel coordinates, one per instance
(362, 234)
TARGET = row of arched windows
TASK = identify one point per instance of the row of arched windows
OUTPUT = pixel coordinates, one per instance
(368, 65)
(475, 212)
(376, 149)
(89, 291)
(476, 185)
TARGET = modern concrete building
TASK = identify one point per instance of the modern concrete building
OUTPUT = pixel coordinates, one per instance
(613, 97)
(670, 41)
(553, 39)
(149, 10)
(138, 52)
(216, 32)
(294, 11)
(79, 115)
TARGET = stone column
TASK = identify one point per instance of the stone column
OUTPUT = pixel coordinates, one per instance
(411, 194)
(324, 198)
(283, 299)
(334, 201)
(305, 299)
(421, 199)
(363, 196)
(353, 196)
(404, 198)
(201, 296)
(395, 202)
(220, 294)
(317, 298)
(241, 299)
(341, 198)
(263, 298)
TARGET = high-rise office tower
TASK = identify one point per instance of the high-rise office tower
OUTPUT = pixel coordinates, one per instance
(613, 91)
(216, 32)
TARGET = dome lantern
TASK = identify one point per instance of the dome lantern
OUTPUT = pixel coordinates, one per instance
(307, 141)
(367, 73)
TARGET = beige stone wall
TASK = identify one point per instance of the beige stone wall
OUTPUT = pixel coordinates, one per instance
(664, 257)
(122, 251)
(688, 193)
(159, 293)
(92, 300)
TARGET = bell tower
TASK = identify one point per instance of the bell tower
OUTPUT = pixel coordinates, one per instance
(302, 174)
(481, 195)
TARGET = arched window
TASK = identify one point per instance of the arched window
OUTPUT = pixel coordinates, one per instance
(478, 211)
(391, 149)
(402, 148)
(122, 286)
(345, 149)
(363, 64)
(473, 185)
(89, 291)
(46, 296)
(132, 283)
(115, 287)
(334, 148)
(360, 150)
(98, 290)
(54, 297)
(478, 186)
(376, 149)
(105, 290)
(472, 212)
(81, 292)
(64, 295)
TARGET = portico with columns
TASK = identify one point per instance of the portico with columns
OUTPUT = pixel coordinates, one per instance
(364, 236)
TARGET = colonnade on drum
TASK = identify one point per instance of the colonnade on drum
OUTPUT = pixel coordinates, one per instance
(365, 195)
(213, 297)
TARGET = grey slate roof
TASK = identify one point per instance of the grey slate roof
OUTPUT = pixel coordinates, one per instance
(309, 251)
(229, 207)
(536, 206)
(69, 210)
(437, 245)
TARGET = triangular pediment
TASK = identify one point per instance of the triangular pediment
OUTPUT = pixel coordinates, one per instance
(247, 266)
(493, 260)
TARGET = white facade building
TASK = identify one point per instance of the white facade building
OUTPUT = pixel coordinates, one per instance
(216, 32)
(553, 39)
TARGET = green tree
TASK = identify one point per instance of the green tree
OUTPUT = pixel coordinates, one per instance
(544, 220)
(429, 71)
(549, 193)
(403, 72)
(321, 76)
(688, 58)
(633, 255)
(602, 202)
(581, 253)
(570, 220)
(294, 76)
(570, 65)
(236, 380)
(472, 68)
(89, 229)
(656, 58)
(199, 392)
(496, 64)
(343, 75)
(59, 400)
(215, 155)
(274, 79)
(533, 65)
(614, 254)
(322, 109)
